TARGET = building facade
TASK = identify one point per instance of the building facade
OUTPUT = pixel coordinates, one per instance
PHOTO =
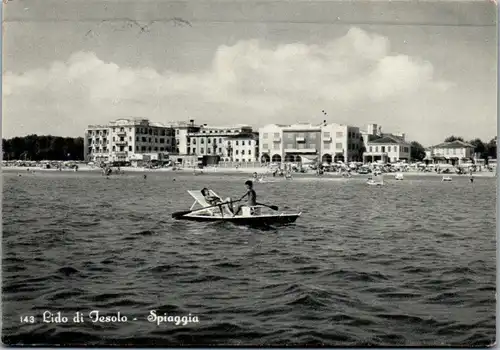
(213, 140)
(242, 147)
(454, 153)
(384, 147)
(125, 139)
(325, 142)
(387, 149)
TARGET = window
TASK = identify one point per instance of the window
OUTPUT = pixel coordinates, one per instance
(326, 145)
(220, 140)
(202, 141)
(338, 146)
(313, 136)
(383, 148)
(136, 148)
(264, 135)
(113, 139)
(209, 141)
(289, 145)
(237, 152)
(129, 129)
(156, 140)
(220, 150)
(130, 148)
(162, 140)
(339, 134)
(161, 149)
(249, 152)
(243, 152)
(265, 146)
(130, 138)
(156, 148)
(208, 150)
(236, 142)
(276, 135)
(114, 148)
(376, 148)
(149, 148)
(150, 140)
(194, 141)
(202, 151)
(276, 146)
(243, 143)
(143, 148)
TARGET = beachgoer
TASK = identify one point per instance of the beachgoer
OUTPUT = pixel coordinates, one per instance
(252, 197)
(214, 200)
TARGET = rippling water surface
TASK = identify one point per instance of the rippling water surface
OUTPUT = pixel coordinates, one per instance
(408, 264)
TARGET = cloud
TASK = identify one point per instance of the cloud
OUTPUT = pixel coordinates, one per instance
(250, 82)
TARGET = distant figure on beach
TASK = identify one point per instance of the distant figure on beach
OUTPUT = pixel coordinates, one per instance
(251, 197)
(145, 176)
(471, 179)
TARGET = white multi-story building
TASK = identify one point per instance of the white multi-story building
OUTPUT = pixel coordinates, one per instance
(242, 147)
(383, 147)
(455, 153)
(213, 140)
(324, 142)
(128, 139)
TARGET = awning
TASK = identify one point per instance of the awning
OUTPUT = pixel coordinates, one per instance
(309, 159)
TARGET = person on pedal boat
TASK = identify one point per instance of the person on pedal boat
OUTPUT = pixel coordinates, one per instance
(251, 197)
(214, 200)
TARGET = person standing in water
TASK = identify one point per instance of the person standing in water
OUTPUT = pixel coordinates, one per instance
(251, 197)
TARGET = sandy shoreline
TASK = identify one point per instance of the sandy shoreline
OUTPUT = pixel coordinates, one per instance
(245, 171)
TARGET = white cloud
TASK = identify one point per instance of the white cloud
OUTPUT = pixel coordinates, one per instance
(250, 82)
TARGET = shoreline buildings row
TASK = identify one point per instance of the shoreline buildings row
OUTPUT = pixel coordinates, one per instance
(129, 140)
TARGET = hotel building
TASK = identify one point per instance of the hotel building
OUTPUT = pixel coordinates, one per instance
(242, 147)
(325, 142)
(456, 153)
(217, 140)
(383, 147)
(128, 139)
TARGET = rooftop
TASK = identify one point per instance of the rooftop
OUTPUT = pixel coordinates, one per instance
(391, 139)
(453, 144)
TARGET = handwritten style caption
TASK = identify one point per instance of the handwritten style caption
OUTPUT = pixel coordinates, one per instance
(95, 316)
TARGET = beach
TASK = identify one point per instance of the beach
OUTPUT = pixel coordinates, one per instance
(242, 170)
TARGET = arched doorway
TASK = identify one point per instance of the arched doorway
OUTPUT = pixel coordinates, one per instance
(276, 158)
(327, 158)
(265, 158)
(339, 157)
(289, 158)
(298, 159)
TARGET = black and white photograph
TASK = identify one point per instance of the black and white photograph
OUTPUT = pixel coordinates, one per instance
(262, 173)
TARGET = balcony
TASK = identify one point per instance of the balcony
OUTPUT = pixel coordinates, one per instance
(327, 139)
(301, 150)
(121, 143)
(121, 153)
(300, 139)
(121, 133)
(276, 139)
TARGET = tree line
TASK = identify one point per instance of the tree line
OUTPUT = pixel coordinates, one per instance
(34, 147)
(485, 150)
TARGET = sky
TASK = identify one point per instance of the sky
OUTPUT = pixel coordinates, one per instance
(426, 69)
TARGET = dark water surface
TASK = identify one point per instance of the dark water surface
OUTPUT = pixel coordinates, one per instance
(408, 264)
